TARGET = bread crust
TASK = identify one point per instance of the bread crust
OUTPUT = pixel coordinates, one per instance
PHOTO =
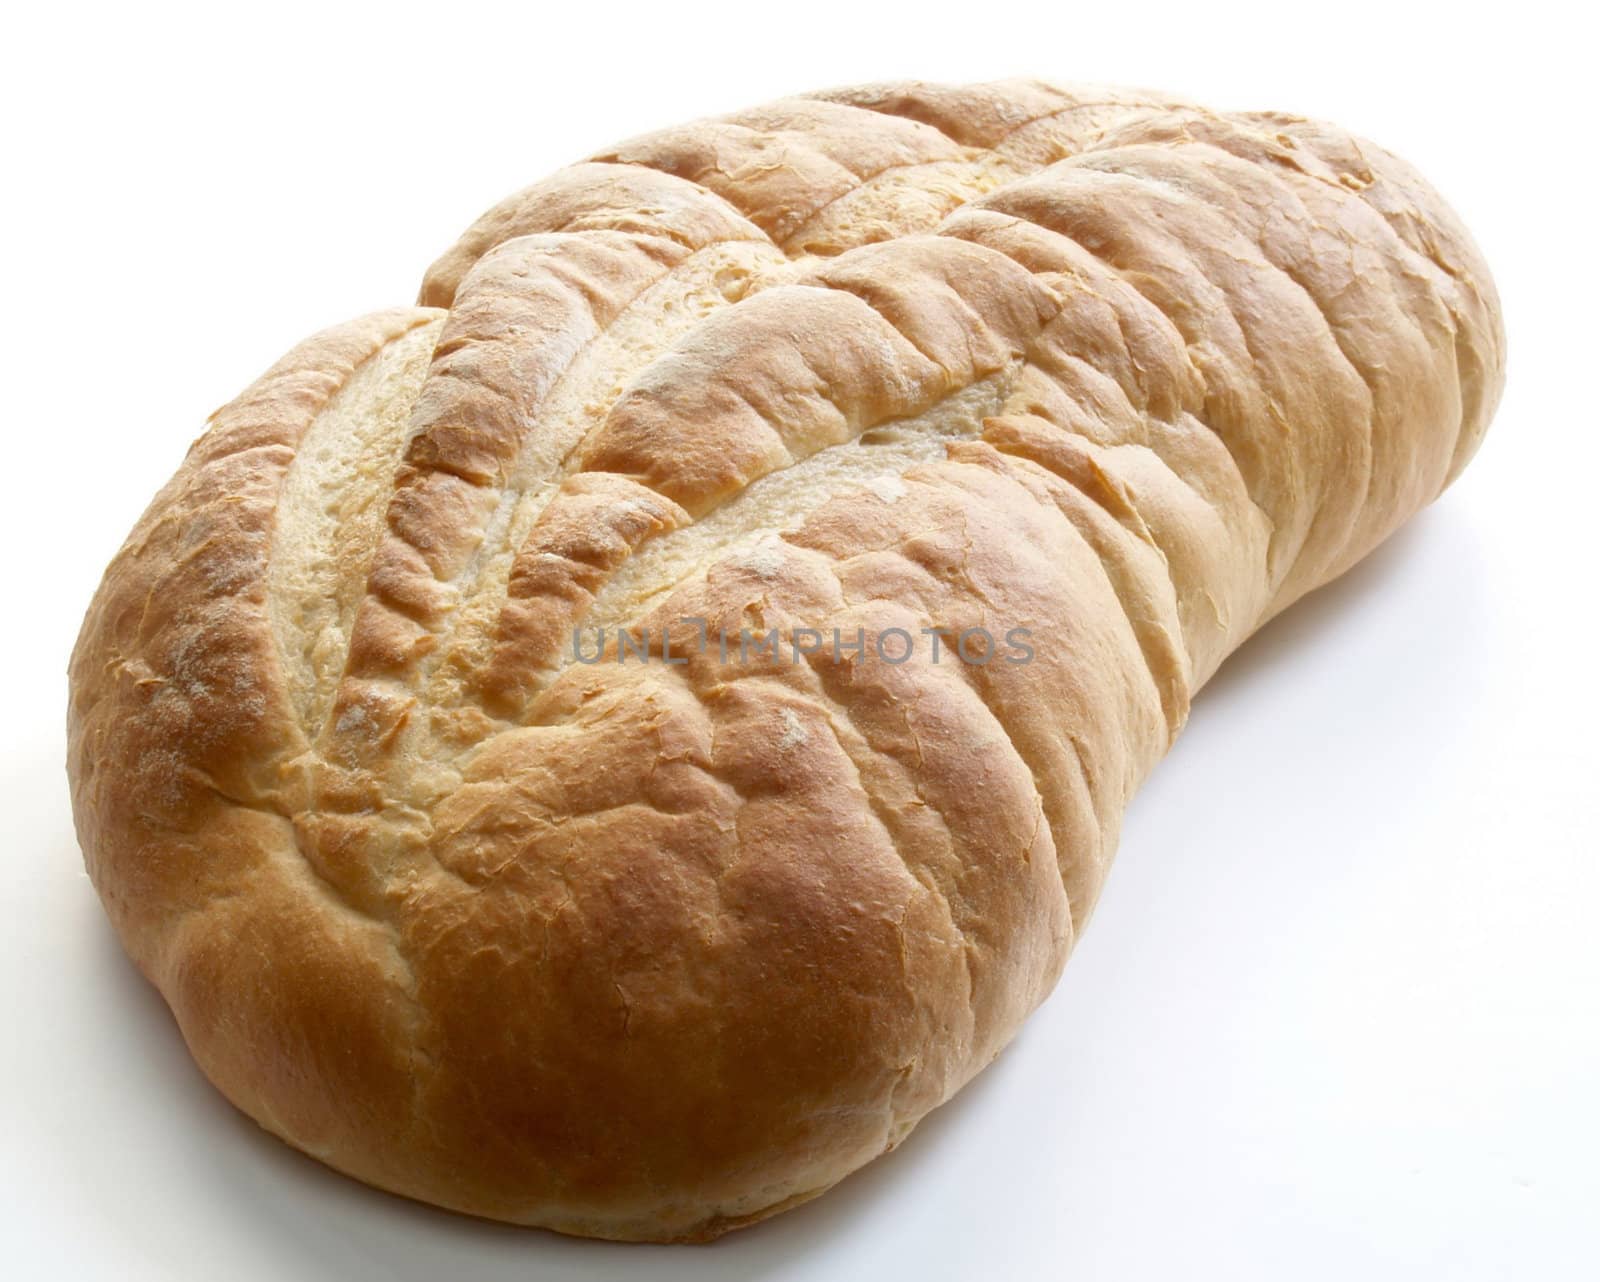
(651, 950)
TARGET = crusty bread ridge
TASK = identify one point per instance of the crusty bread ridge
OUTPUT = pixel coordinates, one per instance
(651, 950)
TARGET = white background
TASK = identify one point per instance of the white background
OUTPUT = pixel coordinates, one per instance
(1337, 1013)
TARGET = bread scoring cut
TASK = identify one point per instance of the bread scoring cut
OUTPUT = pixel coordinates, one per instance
(651, 950)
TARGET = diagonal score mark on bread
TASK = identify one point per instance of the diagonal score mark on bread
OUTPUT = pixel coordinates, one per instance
(876, 460)
(653, 951)
(330, 515)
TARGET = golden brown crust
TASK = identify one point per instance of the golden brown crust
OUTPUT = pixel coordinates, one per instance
(654, 949)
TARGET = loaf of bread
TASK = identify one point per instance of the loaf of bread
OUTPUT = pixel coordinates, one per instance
(518, 744)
